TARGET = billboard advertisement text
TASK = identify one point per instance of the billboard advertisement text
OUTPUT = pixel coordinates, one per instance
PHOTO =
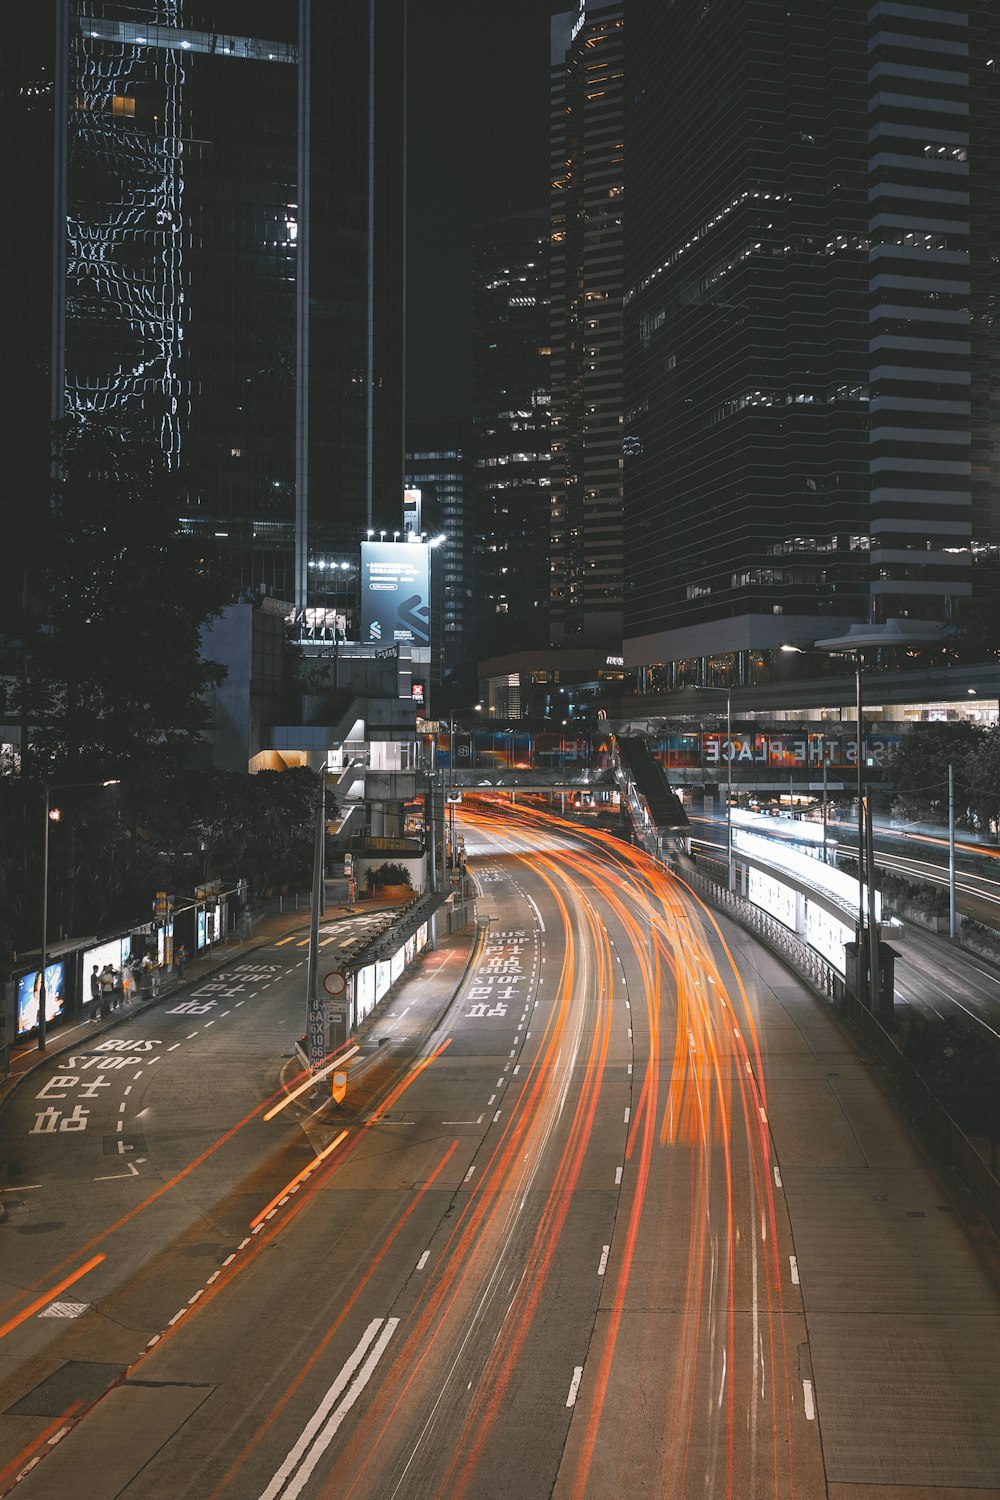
(395, 593)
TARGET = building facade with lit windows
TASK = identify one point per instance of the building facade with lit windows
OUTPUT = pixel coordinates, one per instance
(587, 198)
(229, 181)
(438, 467)
(510, 443)
(811, 344)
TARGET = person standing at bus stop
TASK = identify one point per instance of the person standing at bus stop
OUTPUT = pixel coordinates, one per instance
(182, 958)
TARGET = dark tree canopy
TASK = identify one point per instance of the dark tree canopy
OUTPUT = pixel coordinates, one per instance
(115, 681)
(920, 769)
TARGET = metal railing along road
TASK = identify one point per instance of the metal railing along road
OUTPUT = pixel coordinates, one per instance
(960, 1152)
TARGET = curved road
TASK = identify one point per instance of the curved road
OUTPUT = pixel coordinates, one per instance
(550, 1251)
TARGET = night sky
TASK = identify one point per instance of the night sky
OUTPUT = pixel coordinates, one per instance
(478, 149)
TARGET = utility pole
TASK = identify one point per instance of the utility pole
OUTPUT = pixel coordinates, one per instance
(952, 915)
(315, 1004)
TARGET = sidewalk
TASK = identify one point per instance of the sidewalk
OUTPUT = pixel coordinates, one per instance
(25, 1057)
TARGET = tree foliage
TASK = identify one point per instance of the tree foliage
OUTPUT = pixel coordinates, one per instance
(113, 848)
(115, 680)
(920, 764)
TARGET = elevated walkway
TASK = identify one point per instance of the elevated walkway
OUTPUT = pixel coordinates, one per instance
(659, 821)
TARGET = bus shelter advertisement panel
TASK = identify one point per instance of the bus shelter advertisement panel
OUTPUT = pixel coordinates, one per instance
(111, 954)
(395, 593)
(29, 997)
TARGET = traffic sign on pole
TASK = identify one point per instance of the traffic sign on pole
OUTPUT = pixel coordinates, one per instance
(335, 983)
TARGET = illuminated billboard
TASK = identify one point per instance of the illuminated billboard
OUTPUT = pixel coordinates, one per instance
(29, 996)
(395, 593)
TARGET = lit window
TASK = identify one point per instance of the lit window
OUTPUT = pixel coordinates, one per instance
(121, 105)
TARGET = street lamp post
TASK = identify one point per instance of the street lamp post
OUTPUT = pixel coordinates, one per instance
(52, 815)
(729, 774)
(451, 793)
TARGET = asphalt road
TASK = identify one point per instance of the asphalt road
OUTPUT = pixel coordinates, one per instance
(629, 1217)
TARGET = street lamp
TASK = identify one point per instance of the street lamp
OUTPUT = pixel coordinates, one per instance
(892, 633)
(52, 815)
(729, 772)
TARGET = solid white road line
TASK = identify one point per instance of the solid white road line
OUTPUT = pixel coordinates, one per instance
(538, 915)
(321, 1428)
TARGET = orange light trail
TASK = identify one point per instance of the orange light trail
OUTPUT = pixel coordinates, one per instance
(310, 1081)
(53, 1291)
(705, 1097)
(299, 1177)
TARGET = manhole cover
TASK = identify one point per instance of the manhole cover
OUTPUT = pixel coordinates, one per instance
(75, 1381)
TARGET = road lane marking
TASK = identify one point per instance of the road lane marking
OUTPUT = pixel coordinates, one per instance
(469, 1173)
(133, 1171)
(538, 915)
(793, 1265)
(174, 1047)
(322, 1427)
(497, 1116)
(265, 1213)
(574, 1385)
(605, 1252)
(311, 1081)
(618, 1176)
(807, 1396)
(423, 1260)
(777, 1178)
(628, 1114)
(190, 1036)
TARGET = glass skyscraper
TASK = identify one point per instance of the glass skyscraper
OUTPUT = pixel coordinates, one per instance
(587, 184)
(810, 432)
(228, 259)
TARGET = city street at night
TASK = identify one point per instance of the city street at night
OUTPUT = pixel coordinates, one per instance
(627, 1215)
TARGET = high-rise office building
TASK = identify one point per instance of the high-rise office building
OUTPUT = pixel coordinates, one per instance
(437, 465)
(809, 325)
(227, 268)
(510, 380)
(587, 151)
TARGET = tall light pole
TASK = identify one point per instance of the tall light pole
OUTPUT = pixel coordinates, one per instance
(451, 792)
(729, 774)
(315, 1003)
(52, 816)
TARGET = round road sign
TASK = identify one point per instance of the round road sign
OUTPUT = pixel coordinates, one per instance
(335, 983)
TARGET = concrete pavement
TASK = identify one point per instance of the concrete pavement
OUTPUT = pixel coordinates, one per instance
(26, 1057)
